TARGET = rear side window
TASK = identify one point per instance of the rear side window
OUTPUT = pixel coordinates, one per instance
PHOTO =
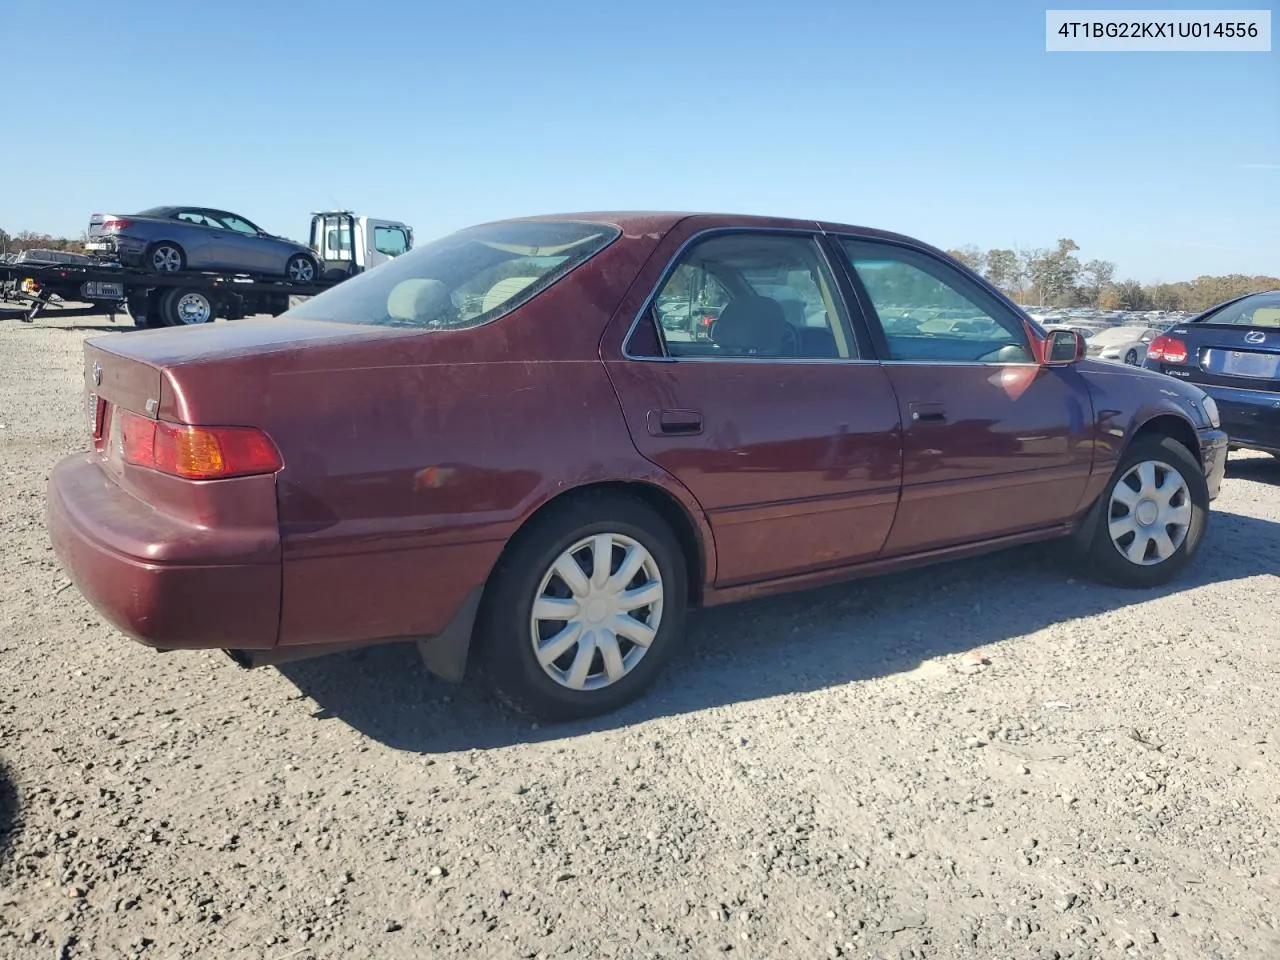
(466, 279)
(1261, 310)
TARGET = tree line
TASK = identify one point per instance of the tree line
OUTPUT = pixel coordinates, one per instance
(29, 240)
(1056, 277)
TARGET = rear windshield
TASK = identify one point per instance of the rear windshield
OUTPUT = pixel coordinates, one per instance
(462, 280)
(1260, 310)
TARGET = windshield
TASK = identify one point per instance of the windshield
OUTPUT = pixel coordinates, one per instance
(1259, 310)
(465, 279)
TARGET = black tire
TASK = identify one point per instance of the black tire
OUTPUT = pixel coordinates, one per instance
(1102, 558)
(164, 257)
(173, 309)
(1131, 358)
(503, 641)
(295, 265)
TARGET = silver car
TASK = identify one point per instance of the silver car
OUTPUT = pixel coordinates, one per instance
(169, 239)
(1127, 344)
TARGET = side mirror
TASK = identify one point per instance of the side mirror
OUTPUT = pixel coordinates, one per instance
(1064, 347)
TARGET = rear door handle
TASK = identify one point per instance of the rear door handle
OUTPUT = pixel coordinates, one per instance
(668, 423)
(928, 412)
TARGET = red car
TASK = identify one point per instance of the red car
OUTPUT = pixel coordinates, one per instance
(493, 445)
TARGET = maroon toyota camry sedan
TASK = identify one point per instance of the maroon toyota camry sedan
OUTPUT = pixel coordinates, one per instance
(533, 444)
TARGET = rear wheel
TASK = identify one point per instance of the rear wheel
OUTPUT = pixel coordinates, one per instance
(584, 610)
(1151, 515)
(185, 306)
(165, 258)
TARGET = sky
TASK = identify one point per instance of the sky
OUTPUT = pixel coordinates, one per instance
(945, 120)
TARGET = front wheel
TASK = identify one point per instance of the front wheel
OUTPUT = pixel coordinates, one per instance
(584, 610)
(1131, 358)
(301, 269)
(1152, 515)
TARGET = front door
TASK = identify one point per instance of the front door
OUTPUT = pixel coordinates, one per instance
(994, 443)
(744, 379)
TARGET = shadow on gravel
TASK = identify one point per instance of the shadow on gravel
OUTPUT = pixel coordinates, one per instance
(1257, 469)
(802, 642)
(8, 813)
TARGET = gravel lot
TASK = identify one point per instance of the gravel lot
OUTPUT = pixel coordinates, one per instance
(816, 776)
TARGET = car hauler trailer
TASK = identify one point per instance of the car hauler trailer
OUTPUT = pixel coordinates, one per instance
(346, 244)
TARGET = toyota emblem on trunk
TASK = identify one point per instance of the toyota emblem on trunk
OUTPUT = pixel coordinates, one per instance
(1255, 336)
(97, 374)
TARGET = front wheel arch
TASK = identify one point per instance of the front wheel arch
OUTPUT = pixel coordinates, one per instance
(1171, 426)
(1159, 426)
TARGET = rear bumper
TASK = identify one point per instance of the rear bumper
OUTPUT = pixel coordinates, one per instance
(1250, 417)
(130, 251)
(107, 542)
(1213, 454)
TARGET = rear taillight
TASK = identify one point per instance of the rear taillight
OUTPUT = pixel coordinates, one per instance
(196, 453)
(1168, 350)
(114, 224)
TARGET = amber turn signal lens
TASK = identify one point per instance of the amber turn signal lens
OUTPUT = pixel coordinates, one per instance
(197, 453)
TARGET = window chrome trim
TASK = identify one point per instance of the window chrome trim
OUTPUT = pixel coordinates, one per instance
(961, 363)
(674, 263)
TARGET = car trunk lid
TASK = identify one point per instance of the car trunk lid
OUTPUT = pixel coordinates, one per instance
(1228, 355)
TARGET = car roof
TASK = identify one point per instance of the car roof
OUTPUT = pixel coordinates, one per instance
(638, 222)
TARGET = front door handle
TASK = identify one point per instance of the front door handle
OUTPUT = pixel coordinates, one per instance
(928, 412)
(674, 423)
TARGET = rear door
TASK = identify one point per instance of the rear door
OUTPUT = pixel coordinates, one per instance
(1233, 354)
(765, 405)
(994, 443)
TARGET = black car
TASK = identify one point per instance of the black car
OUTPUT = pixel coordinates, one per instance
(1232, 352)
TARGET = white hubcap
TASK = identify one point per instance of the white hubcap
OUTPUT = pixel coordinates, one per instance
(1150, 513)
(596, 611)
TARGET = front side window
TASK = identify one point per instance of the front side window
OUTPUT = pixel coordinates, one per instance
(751, 295)
(389, 240)
(930, 312)
(463, 280)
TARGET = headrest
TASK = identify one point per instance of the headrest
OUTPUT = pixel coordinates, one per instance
(753, 325)
(418, 301)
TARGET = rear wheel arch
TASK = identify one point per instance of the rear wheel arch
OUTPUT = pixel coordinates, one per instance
(665, 504)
